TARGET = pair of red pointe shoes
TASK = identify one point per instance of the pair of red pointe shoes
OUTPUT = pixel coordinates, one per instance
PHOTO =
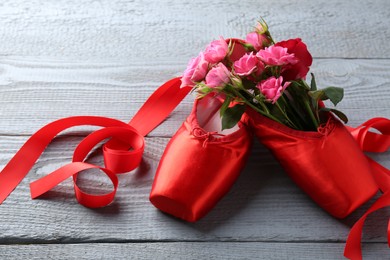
(200, 163)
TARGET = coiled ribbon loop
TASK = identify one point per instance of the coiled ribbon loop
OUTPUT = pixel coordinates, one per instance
(122, 153)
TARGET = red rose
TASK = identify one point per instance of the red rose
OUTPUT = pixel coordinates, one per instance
(238, 49)
(299, 69)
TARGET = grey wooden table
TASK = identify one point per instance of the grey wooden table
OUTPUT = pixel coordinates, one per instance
(67, 57)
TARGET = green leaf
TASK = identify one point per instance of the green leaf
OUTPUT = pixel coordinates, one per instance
(313, 84)
(314, 102)
(334, 94)
(225, 106)
(232, 115)
(317, 95)
(338, 113)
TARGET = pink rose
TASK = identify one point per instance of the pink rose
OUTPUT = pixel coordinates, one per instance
(218, 76)
(195, 72)
(248, 64)
(258, 41)
(272, 88)
(216, 51)
(277, 56)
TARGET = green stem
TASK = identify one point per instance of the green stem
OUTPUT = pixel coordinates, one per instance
(263, 113)
(293, 112)
(256, 108)
(264, 107)
(286, 116)
(312, 117)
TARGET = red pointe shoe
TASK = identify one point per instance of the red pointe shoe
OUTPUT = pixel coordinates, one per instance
(328, 164)
(200, 163)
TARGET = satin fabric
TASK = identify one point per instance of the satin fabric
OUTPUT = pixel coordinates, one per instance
(328, 164)
(371, 142)
(198, 168)
(117, 156)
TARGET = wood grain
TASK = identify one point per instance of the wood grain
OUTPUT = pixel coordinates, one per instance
(174, 250)
(160, 30)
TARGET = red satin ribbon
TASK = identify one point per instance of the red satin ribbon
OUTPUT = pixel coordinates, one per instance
(371, 142)
(117, 156)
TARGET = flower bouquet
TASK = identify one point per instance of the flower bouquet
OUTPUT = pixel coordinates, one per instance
(266, 80)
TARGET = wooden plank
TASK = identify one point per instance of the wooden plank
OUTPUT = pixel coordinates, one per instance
(34, 92)
(263, 205)
(175, 250)
(132, 30)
